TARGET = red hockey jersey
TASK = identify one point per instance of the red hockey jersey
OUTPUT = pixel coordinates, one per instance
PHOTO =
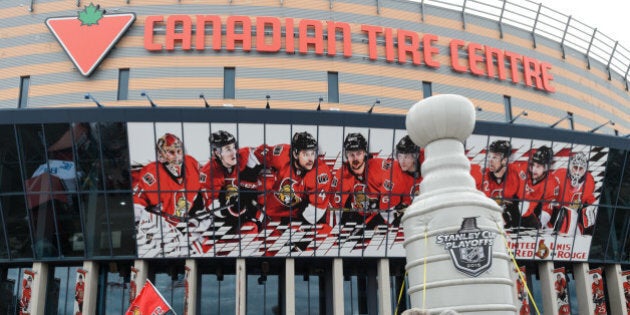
(158, 191)
(293, 189)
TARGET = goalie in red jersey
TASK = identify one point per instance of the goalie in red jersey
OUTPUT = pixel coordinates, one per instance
(576, 212)
(169, 188)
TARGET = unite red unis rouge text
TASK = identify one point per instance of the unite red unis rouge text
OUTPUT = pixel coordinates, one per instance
(315, 35)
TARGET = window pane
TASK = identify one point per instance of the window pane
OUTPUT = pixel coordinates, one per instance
(9, 289)
(120, 209)
(115, 152)
(427, 89)
(116, 293)
(68, 223)
(17, 222)
(25, 83)
(229, 83)
(262, 295)
(61, 290)
(333, 87)
(217, 289)
(123, 84)
(10, 177)
(171, 285)
(96, 239)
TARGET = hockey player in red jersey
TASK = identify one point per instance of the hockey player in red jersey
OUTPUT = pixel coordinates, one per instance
(599, 298)
(230, 183)
(562, 296)
(365, 187)
(501, 181)
(300, 191)
(169, 188)
(409, 157)
(576, 198)
(540, 190)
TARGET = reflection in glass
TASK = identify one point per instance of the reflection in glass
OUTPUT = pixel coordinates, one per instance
(64, 284)
(310, 289)
(360, 289)
(10, 177)
(116, 293)
(217, 292)
(262, 295)
(10, 286)
(120, 211)
(16, 220)
(115, 153)
(171, 285)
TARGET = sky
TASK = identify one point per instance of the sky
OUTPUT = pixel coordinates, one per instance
(608, 16)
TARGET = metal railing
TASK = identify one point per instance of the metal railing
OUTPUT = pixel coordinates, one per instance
(545, 22)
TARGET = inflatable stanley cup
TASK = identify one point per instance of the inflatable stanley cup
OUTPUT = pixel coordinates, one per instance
(456, 256)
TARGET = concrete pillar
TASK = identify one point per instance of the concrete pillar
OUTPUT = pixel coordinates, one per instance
(614, 285)
(384, 287)
(142, 273)
(547, 287)
(241, 287)
(191, 286)
(90, 293)
(583, 287)
(337, 289)
(289, 286)
(39, 288)
(448, 210)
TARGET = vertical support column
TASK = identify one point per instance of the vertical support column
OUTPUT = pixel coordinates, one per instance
(545, 271)
(90, 293)
(289, 286)
(583, 287)
(384, 287)
(337, 286)
(39, 286)
(241, 287)
(191, 285)
(614, 284)
(142, 273)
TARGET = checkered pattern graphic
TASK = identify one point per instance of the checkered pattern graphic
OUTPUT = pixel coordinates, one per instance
(295, 239)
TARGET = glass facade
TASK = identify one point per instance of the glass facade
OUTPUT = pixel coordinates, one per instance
(67, 195)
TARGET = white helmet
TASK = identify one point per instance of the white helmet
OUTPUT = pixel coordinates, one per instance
(577, 168)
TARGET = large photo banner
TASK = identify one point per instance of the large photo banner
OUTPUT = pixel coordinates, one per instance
(227, 189)
(549, 192)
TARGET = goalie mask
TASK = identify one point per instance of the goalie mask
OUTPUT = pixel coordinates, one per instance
(577, 168)
(170, 151)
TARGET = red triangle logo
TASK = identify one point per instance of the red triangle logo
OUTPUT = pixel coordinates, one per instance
(88, 37)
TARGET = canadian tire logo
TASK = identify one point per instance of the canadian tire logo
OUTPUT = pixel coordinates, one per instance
(470, 248)
(89, 36)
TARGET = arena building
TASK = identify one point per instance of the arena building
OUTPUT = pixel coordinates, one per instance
(250, 157)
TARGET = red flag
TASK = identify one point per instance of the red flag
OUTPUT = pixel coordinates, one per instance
(149, 302)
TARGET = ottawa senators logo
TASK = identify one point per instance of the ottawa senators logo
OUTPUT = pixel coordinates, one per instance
(361, 200)
(181, 204)
(286, 194)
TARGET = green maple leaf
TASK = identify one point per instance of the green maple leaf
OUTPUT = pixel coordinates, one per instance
(91, 15)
